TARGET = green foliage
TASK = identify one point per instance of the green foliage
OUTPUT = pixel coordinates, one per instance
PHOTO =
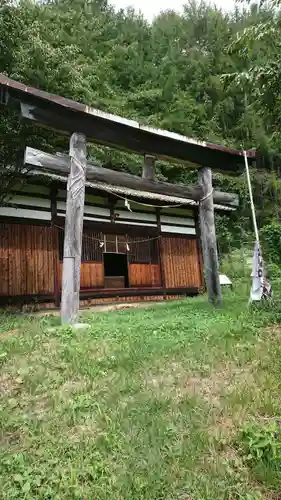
(139, 407)
(224, 233)
(271, 236)
(237, 263)
(262, 443)
(273, 271)
(167, 73)
(258, 45)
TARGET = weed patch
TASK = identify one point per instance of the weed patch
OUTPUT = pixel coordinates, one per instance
(147, 404)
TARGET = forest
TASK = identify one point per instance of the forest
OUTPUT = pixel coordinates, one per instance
(205, 73)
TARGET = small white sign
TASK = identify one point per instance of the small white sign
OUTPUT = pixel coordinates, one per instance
(224, 280)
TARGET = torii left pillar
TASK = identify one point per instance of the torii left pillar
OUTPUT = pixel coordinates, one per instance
(73, 229)
(208, 236)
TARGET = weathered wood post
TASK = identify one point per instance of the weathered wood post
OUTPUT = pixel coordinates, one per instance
(148, 168)
(73, 229)
(208, 236)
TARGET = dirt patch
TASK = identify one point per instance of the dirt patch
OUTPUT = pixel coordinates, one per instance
(82, 432)
(272, 495)
(11, 440)
(184, 496)
(173, 381)
(209, 388)
(104, 307)
(223, 428)
(230, 454)
(9, 384)
(273, 331)
(72, 386)
(41, 407)
(50, 346)
(37, 407)
(13, 332)
(167, 378)
(99, 350)
(116, 307)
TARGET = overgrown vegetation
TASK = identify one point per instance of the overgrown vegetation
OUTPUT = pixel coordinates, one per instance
(260, 445)
(146, 404)
(168, 73)
(178, 401)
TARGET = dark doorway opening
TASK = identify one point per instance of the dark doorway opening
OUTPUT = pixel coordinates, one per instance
(115, 270)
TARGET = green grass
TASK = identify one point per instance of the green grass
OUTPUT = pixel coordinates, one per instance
(146, 404)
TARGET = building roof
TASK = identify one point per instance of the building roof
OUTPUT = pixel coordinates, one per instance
(115, 131)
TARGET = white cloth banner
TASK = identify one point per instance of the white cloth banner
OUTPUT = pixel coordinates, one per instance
(261, 287)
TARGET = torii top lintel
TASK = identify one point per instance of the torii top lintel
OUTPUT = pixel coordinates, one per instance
(69, 116)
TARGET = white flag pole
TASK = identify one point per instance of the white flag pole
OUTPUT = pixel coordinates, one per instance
(261, 287)
(251, 197)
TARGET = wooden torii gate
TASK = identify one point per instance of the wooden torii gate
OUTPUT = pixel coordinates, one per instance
(68, 116)
(72, 248)
(77, 168)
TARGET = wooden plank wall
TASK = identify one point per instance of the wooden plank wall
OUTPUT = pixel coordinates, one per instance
(144, 275)
(29, 263)
(27, 259)
(91, 275)
(180, 261)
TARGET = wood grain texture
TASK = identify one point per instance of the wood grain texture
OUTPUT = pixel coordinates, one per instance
(27, 259)
(29, 255)
(56, 265)
(144, 275)
(4, 259)
(95, 173)
(72, 249)
(159, 247)
(114, 282)
(208, 236)
(148, 168)
(180, 263)
(91, 275)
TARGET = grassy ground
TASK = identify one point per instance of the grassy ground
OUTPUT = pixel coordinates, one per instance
(147, 404)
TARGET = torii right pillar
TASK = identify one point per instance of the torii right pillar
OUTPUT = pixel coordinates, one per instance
(208, 236)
